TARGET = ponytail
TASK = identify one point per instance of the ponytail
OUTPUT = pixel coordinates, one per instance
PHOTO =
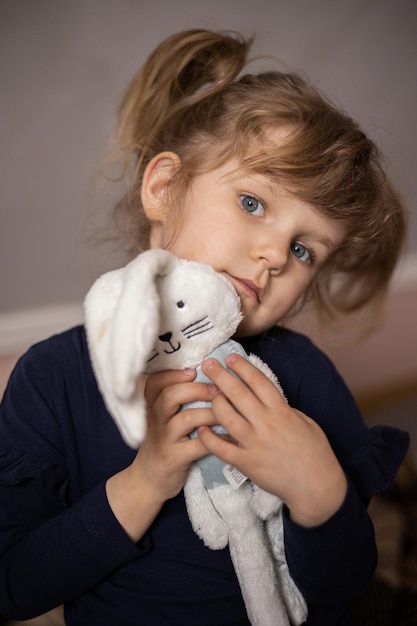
(183, 71)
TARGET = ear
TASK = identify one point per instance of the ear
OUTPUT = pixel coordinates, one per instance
(136, 319)
(157, 176)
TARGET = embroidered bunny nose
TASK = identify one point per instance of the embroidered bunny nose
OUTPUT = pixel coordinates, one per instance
(166, 337)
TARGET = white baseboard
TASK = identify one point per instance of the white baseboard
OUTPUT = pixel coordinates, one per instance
(22, 328)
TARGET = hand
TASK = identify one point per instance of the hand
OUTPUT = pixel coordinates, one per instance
(161, 465)
(277, 447)
(167, 452)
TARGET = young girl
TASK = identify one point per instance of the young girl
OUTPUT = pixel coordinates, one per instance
(261, 177)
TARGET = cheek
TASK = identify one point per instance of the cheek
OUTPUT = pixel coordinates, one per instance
(190, 249)
(286, 296)
(198, 243)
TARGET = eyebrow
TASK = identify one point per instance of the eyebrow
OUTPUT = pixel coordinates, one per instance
(325, 241)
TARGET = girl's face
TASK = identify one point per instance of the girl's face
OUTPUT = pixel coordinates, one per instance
(267, 242)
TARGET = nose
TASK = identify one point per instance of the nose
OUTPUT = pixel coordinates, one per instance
(166, 337)
(274, 254)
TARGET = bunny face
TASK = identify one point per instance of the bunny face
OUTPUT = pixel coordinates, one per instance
(158, 312)
(199, 309)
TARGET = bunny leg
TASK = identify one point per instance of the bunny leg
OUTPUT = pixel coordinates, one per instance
(251, 557)
(263, 503)
(293, 599)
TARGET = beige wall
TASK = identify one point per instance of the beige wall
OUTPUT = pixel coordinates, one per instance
(63, 66)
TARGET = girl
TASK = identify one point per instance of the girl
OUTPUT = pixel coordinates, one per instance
(264, 179)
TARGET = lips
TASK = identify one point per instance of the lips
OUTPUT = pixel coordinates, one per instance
(245, 286)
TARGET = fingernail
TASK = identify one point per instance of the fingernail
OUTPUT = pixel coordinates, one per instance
(188, 371)
(231, 358)
(208, 365)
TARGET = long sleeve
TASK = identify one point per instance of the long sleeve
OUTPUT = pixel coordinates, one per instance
(60, 552)
(58, 535)
(333, 562)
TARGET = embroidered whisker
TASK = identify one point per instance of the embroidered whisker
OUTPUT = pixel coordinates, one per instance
(199, 331)
(190, 326)
(202, 325)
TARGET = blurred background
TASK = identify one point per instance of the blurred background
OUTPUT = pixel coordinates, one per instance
(63, 68)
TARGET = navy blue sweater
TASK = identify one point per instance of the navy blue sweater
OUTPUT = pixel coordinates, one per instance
(61, 544)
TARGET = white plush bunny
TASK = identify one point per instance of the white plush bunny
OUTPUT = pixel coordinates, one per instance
(159, 313)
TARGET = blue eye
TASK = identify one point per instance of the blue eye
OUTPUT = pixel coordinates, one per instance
(301, 252)
(252, 205)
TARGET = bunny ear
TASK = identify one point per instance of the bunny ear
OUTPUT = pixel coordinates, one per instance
(99, 306)
(136, 319)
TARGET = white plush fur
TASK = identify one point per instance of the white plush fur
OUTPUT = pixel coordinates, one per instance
(158, 313)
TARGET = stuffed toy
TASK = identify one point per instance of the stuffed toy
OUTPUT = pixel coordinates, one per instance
(159, 313)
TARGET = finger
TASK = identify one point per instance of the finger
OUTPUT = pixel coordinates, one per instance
(264, 389)
(236, 424)
(155, 383)
(173, 397)
(194, 449)
(184, 423)
(221, 447)
(238, 393)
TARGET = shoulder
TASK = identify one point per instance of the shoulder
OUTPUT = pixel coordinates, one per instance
(292, 344)
(60, 355)
(49, 385)
(68, 344)
(52, 409)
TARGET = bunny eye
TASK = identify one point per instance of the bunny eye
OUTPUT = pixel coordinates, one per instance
(180, 304)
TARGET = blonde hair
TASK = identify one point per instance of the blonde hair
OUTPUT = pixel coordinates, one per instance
(191, 98)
